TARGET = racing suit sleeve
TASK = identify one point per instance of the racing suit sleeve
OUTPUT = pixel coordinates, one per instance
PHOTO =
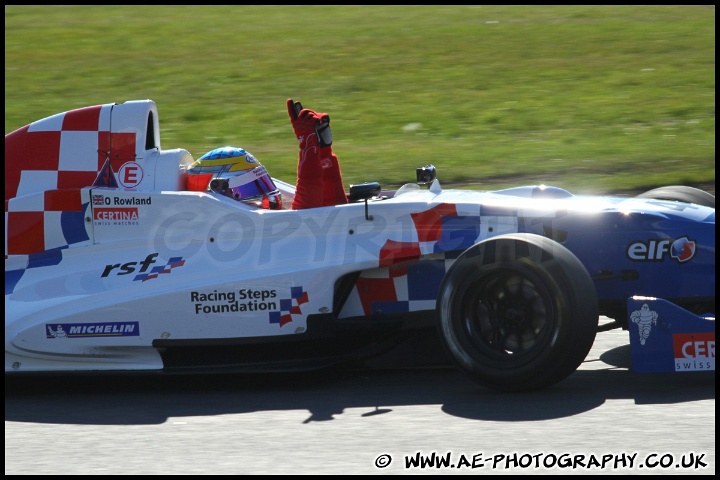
(333, 189)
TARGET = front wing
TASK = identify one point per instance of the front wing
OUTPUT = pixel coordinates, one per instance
(665, 338)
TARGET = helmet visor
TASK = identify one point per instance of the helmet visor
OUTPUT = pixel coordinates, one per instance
(252, 183)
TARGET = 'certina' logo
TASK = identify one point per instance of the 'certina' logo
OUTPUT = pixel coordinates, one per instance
(681, 249)
(116, 214)
(143, 268)
(694, 351)
(84, 330)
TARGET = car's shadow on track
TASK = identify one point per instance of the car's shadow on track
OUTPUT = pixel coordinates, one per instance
(152, 399)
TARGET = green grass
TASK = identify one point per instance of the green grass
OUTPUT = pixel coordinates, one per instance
(589, 98)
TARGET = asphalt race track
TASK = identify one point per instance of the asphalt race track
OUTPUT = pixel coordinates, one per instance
(370, 421)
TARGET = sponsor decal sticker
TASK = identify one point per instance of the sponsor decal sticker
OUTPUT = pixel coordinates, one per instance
(130, 175)
(116, 216)
(84, 330)
(645, 319)
(244, 300)
(143, 268)
(280, 309)
(657, 250)
(694, 351)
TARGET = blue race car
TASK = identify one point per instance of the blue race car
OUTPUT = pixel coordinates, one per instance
(116, 261)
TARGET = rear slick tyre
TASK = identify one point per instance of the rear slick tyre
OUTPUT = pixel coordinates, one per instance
(681, 193)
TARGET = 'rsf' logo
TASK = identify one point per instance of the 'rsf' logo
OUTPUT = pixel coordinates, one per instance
(682, 250)
(144, 266)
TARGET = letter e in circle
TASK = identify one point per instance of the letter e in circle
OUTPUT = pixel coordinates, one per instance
(130, 175)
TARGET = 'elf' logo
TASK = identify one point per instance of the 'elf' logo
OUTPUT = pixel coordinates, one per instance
(682, 250)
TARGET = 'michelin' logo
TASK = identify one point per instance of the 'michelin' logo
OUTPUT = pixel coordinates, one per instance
(100, 329)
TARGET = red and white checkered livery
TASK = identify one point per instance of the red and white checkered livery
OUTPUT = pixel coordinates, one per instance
(51, 164)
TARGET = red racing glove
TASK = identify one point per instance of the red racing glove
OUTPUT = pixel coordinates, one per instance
(319, 181)
(304, 123)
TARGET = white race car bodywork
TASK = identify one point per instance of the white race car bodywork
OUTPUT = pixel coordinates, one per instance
(189, 265)
(111, 264)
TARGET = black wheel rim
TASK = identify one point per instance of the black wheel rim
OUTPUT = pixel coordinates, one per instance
(506, 315)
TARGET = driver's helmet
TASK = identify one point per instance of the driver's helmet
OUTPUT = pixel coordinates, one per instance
(234, 172)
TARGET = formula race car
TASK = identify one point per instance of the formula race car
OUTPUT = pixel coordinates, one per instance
(122, 256)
